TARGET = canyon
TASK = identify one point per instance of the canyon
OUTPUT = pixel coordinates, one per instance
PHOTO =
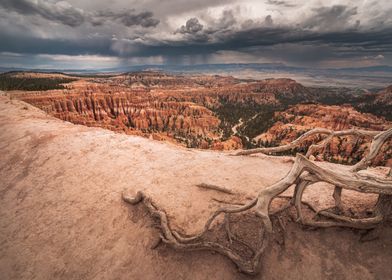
(214, 112)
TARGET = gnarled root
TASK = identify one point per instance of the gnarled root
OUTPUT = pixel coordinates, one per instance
(249, 265)
(321, 144)
(382, 212)
(302, 174)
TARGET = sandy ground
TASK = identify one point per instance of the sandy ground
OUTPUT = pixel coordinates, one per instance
(62, 217)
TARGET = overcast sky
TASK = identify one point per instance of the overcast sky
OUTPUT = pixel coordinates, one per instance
(101, 33)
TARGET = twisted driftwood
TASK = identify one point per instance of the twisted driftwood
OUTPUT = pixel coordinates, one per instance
(302, 174)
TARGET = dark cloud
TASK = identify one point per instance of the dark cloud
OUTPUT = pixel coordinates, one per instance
(166, 8)
(317, 29)
(268, 20)
(226, 20)
(191, 26)
(280, 3)
(335, 17)
(66, 14)
(216, 28)
(130, 18)
(281, 43)
(61, 11)
(32, 45)
(144, 19)
(259, 39)
(314, 33)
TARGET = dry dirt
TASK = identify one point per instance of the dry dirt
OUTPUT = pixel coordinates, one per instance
(62, 217)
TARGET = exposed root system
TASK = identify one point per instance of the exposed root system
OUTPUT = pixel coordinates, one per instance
(247, 229)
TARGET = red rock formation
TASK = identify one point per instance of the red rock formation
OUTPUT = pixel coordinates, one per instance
(127, 112)
(298, 119)
(232, 143)
(179, 108)
(150, 102)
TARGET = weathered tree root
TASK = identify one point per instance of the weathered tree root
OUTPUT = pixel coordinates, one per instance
(317, 146)
(322, 143)
(303, 174)
(375, 147)
(195, 242)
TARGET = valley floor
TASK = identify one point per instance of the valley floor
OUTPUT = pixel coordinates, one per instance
(62, 216)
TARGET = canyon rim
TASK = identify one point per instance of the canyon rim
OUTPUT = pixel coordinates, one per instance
(195, 139)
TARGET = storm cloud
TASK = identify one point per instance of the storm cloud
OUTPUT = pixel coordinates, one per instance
(334, 17)
(130, 18)
(192, 26)
(60, 11)
(63, 12)
(300, 33)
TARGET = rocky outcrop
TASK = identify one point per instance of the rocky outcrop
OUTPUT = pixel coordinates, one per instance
(130, 112)
(298, 119)
(232, 143)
